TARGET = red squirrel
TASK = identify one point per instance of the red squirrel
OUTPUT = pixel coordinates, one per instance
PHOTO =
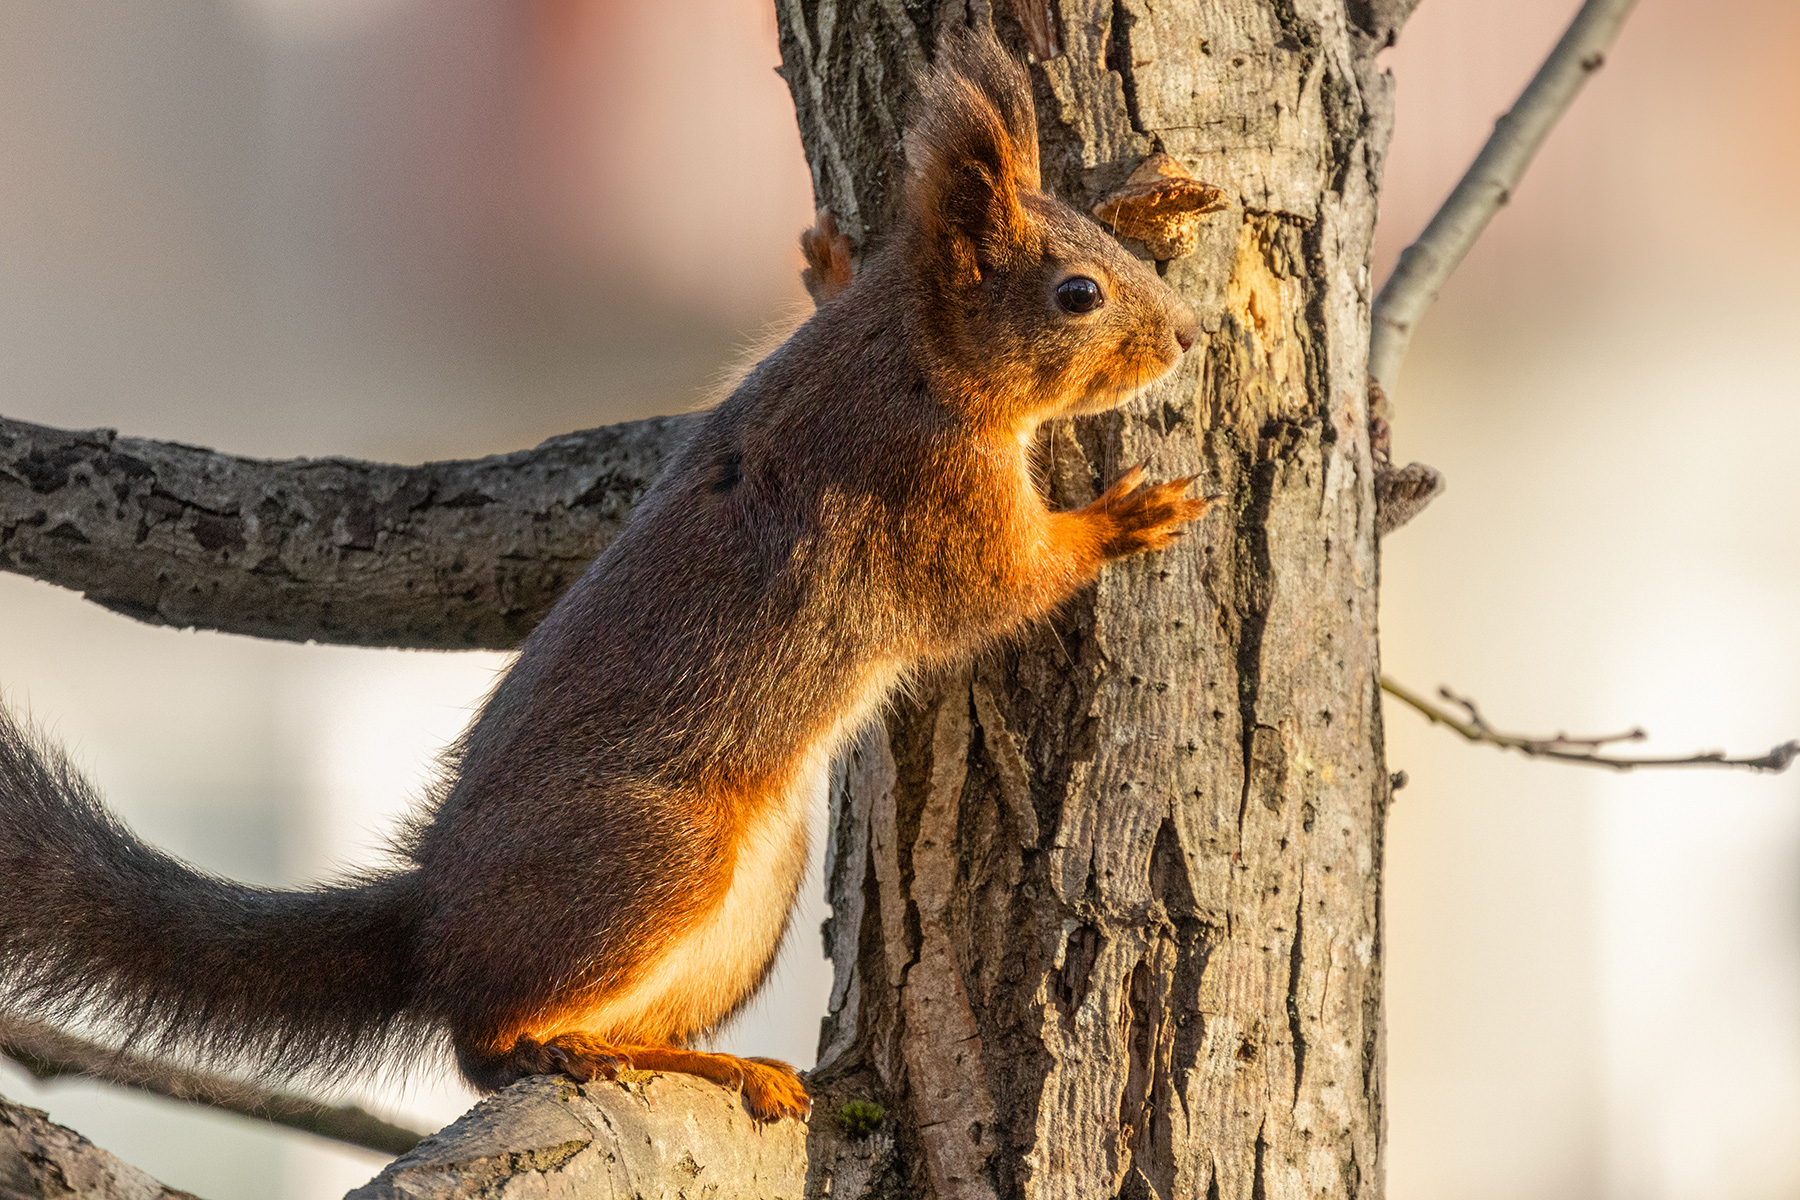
(607, 867)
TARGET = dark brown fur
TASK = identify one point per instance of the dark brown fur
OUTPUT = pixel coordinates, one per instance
(630, 798)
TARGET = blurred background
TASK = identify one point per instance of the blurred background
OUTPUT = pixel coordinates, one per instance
(406, 230)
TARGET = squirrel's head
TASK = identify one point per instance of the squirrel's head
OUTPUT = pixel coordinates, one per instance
(1025, 304)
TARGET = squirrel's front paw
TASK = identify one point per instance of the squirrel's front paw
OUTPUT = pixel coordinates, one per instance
(827, 253)
(1136, 516)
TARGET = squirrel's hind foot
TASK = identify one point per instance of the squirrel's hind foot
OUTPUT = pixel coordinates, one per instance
(771, 1089)
(778, 1090)
(579, 1057)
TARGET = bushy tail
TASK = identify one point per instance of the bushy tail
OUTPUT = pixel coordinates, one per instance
(95, 924)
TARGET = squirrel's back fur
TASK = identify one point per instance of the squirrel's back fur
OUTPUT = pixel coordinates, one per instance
(609, 865)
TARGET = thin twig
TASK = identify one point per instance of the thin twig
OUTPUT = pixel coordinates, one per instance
(1584, 750)
(51, 1054)
(1488, 184)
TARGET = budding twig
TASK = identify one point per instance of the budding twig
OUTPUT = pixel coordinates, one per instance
(1585, 750)
(51, 1054)
(1488, 184)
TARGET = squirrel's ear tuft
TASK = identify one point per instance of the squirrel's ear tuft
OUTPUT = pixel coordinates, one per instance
(973, 146)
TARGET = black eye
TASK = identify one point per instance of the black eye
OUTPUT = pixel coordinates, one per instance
(1078, 294)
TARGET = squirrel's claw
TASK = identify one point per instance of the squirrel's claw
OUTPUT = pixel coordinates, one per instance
(584, 1066)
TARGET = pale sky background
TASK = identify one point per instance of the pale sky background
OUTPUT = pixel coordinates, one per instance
(412, 229)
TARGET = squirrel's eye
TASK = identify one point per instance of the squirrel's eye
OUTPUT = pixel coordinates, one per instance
(1078, 294)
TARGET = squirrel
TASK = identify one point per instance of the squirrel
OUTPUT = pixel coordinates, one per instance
(606, 868)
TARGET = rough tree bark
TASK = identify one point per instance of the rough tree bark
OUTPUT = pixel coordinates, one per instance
(43, 1161)
(444, 556)
(1106, 906)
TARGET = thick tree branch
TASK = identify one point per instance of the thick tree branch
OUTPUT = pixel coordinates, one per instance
(40, 1160)
(647, 1135)
(51, 1054)
(448, 555)
(1488, 184)
(1585, 750)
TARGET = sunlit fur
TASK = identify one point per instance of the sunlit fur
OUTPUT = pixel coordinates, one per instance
(607, 869)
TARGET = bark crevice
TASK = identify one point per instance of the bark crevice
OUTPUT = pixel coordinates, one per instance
(1296, 1035)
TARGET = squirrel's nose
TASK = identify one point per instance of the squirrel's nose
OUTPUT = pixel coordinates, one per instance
(1186, 328)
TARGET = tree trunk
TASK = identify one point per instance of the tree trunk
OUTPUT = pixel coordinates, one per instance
(1107, 906)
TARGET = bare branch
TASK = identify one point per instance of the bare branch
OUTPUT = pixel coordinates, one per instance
(51, 1054)
(1488, 184)
(449, 555)
(1585, 750)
